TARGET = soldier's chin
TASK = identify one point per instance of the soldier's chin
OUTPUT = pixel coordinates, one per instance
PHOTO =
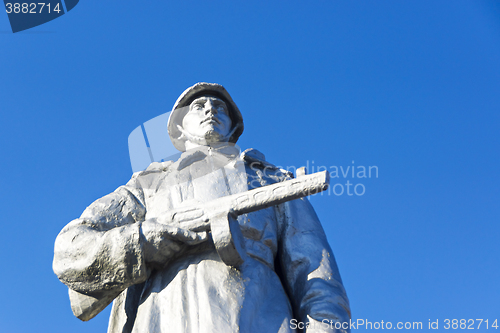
(214, 136)
(210, 137)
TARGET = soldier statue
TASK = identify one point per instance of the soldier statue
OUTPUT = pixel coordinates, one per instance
(272, 270)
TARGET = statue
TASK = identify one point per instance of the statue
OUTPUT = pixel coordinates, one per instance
(180, 248)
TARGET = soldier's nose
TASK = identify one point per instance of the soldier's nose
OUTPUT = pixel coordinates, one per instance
(210, 108)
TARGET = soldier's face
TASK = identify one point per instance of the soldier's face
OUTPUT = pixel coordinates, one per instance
(207, 119)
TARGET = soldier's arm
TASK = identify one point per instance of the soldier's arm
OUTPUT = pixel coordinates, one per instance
(309, 270)
(100, 254)
(110, 247)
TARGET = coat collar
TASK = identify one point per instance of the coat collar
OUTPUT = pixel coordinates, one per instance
(225, 152)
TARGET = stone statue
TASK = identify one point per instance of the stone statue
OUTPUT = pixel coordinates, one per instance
(271, 270)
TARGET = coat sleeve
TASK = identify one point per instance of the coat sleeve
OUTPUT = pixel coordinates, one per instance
(100, 254)
(310, 272)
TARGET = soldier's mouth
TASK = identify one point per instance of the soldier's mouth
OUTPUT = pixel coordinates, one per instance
(210, 120)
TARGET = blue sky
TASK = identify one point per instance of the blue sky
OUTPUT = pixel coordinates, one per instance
(412, 87)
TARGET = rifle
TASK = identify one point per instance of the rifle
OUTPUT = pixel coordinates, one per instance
(226, 233)
(222, 213)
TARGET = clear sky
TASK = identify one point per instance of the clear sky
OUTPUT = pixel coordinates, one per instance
(412, 87)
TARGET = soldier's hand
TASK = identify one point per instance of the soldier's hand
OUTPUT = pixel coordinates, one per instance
(163, 242)
(193, 219)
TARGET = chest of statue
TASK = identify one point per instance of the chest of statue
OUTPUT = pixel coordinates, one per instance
(198, 179)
